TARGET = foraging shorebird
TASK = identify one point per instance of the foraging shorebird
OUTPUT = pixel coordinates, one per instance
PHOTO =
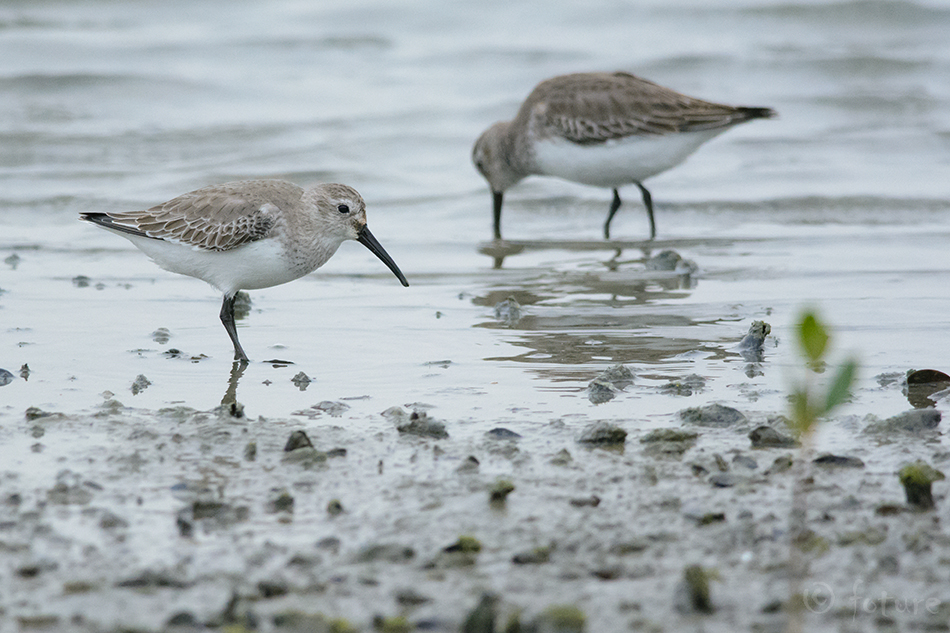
(247, 235)
(600, 129)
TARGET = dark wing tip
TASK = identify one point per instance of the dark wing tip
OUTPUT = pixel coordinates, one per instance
(759, 113)
(101, 219)
(107, 222)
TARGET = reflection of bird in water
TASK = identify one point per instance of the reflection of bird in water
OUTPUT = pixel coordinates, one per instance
(600, 129)
(248, 235)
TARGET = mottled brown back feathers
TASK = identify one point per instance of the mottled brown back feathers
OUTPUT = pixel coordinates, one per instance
(596, 107)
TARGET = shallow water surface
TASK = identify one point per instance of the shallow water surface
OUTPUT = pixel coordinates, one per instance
(839, 205)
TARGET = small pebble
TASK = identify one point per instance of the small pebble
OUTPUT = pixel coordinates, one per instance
(919, 422)
(283, 502)
(500, 491)
(602, 433)
(481, 619)
(712, 415)
(724, 480)
(767, 437)
(465, 544)
(586, 502)
(917, 479)
(537, 556)
(469, 465)
(161, 335)
(694, 595)
(745, 462)
(838, 461)
(669, 435)
(297, 439)
(781, 464)
(385, 552)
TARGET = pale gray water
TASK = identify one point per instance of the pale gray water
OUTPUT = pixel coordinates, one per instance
(841, 203)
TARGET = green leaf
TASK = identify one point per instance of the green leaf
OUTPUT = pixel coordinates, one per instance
(813, 337)
(841, 387)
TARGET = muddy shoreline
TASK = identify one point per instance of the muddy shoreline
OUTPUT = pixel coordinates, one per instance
(176, 519)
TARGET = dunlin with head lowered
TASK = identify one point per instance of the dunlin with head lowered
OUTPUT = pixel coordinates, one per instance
(247, 235)
(601, 129)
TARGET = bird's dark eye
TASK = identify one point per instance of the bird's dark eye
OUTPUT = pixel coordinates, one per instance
(343, 208)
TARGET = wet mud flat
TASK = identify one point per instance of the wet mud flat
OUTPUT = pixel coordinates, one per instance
(571, 438)
(357, 516)
(602, 448)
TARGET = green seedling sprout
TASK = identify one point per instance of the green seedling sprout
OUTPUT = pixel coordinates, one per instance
(810, 404)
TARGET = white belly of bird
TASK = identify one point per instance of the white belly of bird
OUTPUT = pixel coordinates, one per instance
(254, 265)
(617, 162)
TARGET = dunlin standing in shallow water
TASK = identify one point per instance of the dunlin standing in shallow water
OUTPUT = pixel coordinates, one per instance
(601, 129)
(248, 235)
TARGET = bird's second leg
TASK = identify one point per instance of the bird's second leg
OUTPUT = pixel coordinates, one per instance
(614, 205)
(227, 318)
(648, 203)
(497, 199)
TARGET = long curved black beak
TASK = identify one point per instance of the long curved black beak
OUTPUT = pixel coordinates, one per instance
(366, 238)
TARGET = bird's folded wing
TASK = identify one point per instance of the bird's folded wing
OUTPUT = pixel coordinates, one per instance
(602, 107)
(216, 218)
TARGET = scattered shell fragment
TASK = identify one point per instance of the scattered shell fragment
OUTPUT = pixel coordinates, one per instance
(609, 383)
(416, 423)
(755, 337)
(686, 386)
(670, 260)
(599, 391)
(161, 335)
(301, 381)
(140, 384)
(508, 311)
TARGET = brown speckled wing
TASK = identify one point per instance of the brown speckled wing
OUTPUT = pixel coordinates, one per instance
(215, 218)
(596, 107)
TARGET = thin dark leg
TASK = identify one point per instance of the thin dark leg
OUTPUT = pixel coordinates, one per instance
(610, 215)
(227, 318)
(497, 197)
(648, 203)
